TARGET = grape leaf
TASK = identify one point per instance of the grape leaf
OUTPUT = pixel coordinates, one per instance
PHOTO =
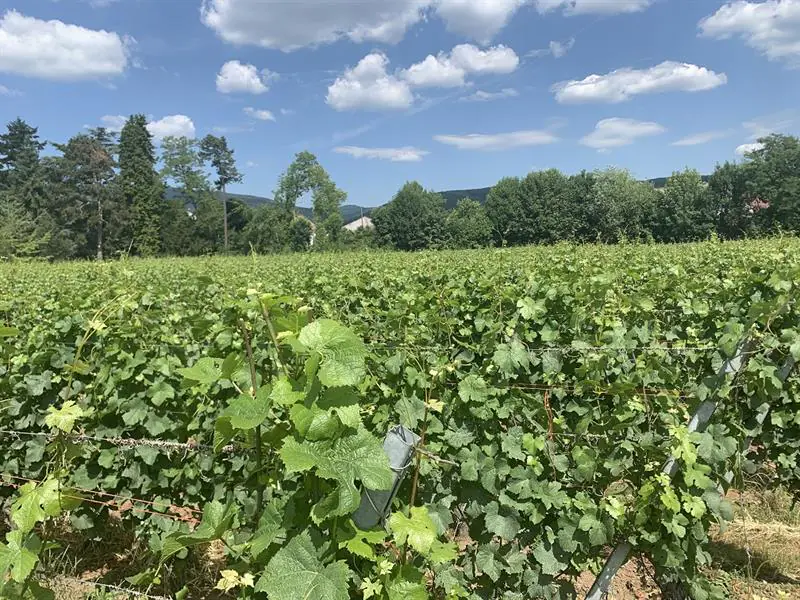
(418, 531)
(297, 573)
(342, 352)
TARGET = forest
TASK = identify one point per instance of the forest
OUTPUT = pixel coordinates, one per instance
(104, 194)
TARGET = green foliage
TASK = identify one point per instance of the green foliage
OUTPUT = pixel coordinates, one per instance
(624, 340)
(468, 226)
(216, 151)
(413, 220)
(684, 209)
(140, 183)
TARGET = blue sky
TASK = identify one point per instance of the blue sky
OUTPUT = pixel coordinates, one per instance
(452, 93)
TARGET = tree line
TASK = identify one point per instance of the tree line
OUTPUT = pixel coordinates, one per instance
(104, 194)
(758, 197)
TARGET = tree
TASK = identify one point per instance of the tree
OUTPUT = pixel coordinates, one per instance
(773, 173)
(505, 209)
(296, 181)
(141, 185)
(268, 229)
(216, 151)
(684, 211)
(413, 220)
(327, 201)
(730, 202)
(19, 164)
(621, 207)
(86, 174)
(550, 216)
(468, 226)
(19, 235)
(301, 233)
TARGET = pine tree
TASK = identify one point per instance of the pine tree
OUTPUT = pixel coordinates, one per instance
(141, 185)
(216, 151)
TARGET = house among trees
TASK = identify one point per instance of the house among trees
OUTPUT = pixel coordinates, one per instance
(360, 223)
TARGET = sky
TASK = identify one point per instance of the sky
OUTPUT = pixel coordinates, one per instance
(454, 94)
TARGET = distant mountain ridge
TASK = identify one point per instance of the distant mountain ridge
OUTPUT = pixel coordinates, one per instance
(351, 212)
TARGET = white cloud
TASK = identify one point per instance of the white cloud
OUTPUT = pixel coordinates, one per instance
(6, 91)
(404, 154)
(597, 7)
(478, 19)
(175, 125)
(771, 27)
(369, 86)
(622, 84)
(747, 148)
(287, 112)
(250, 164)
(498, 141)
(616, 132)
(292, 24)
(701, 138)
(261, 115)
(235, 77)
(451, 70)
(435, 71)
(172, 125)
(482, 96)
(113, 122)
(58, 51)
(230, 129)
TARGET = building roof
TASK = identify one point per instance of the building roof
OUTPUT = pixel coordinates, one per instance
(361, 223)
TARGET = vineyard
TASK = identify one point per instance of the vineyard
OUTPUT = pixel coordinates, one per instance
(556, 406)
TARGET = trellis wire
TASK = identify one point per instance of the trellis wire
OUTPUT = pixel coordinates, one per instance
(127, 442)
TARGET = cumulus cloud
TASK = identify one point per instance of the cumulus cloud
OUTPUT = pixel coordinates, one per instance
(622, 84)
(780, 122)
(497, 141)
(451, 69)
(745, 149)
(58, 51)
(290, 25)
(174, 125)
(368, 86)
(235, 77)
(700, 138)
(482, 96)
(478, 19)
(596, 7)
(261, 115)
(772, 27)
(616, 132)
(299, 23)
(404, 154)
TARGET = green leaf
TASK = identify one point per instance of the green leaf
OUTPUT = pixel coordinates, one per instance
(16, 558)
(269, 528)
(161, 392)
(314, 423)
(342, 352)
(443, 552)
(545, 555)
(511, 357)
(343, 402)
(38, 592)
(205, 371)
(38, 502)
(418, 531)
(216, 521)
(402, 589)
(505, 527)
(473, 389)
(283, 393)
(297, 573)
(63, 418)
(486, 562)
(356, 456)
(247, 412)
(6, 332)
